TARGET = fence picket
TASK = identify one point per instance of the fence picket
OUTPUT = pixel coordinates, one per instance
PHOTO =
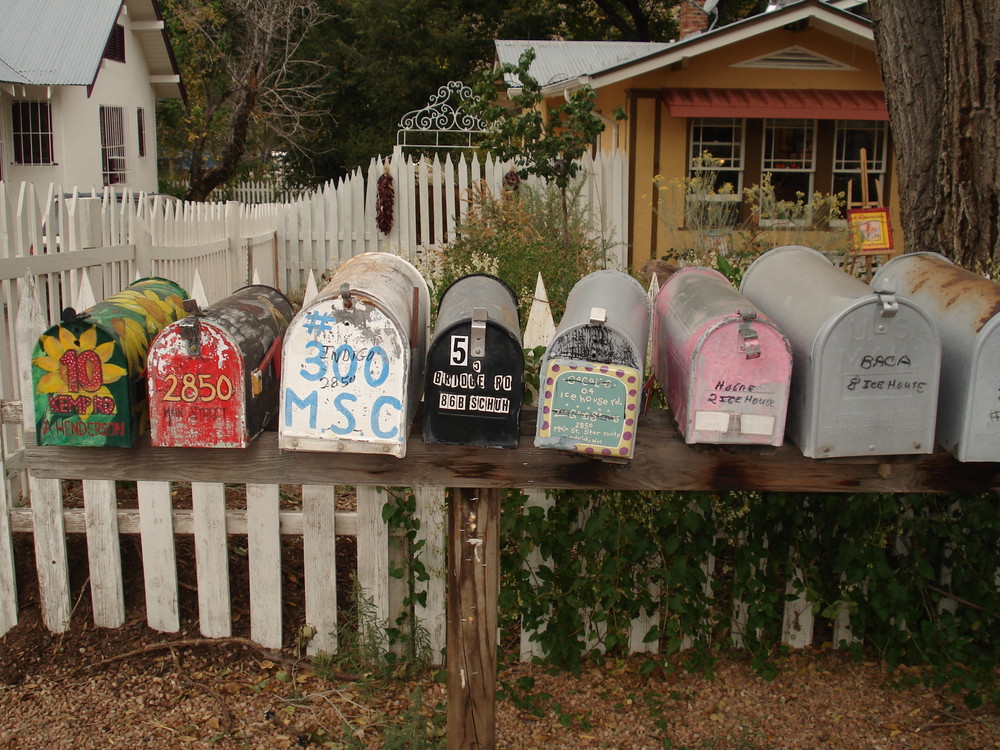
(264, 543)
(373, 551)
(8, 574)
(104, 553)
(211, 558)
(319, 545)
(432, 514)
(159, 557)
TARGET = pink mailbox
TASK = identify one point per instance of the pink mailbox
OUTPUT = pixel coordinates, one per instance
(722, 364)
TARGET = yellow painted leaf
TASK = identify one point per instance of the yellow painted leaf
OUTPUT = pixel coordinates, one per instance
(88, 339)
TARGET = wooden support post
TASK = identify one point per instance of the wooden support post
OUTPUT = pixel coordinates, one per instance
(473, 588)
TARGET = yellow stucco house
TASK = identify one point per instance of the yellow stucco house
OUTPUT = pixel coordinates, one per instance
(794, 93)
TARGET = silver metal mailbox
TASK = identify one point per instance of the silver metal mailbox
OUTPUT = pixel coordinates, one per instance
(966, 308)
(591, 379)
(475, 366)
(866, 362)
(354, 360)
(722, 364)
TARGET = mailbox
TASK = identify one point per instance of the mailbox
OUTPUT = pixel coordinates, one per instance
(966, 308)
(353, 362)
(89, 371)
(723, 365)
(867, 363)
(591, 377)
(475, 366)
(213, 376)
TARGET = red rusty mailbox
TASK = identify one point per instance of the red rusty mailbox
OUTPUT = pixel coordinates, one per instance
(89, 370)
(213, 376)
(723, 365)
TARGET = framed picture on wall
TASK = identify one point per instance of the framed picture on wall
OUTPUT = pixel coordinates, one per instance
(871, 229)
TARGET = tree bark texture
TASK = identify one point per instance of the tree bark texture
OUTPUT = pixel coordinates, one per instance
(939, 61)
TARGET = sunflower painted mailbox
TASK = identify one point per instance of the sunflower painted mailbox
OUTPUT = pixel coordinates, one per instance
(353, 360)
(213, 376)
(867, 361)
(89, 371)
(475, 366)
(591, 379)
(966, 308)
(723, 365)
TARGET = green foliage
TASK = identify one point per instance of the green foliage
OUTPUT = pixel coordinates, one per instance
(547, 145)
(517, 235)
(915, 572)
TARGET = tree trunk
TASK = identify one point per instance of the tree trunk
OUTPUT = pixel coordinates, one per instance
(938, 60)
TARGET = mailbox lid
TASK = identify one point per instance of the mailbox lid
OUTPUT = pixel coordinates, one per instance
(213, 376)
(871, 384)
(619, 336)
(89, 370)
(966, 309)
(475, 367)
(354, 360)
(724, 366)
(589, 408)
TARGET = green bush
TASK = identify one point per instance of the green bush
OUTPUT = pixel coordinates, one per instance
(519, 234)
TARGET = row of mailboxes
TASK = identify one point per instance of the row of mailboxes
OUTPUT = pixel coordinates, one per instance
(845, 368)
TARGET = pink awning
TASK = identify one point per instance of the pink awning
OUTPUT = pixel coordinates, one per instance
(822, 104)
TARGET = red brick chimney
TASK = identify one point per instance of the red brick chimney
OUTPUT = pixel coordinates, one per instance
(691, 18)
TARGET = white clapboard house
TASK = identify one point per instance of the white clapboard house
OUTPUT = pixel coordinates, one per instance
(79, 81)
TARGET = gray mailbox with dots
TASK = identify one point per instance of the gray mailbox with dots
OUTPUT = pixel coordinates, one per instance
(866, 362)
(591, 378)
(353, 360)
(475, 366)
(966, 308)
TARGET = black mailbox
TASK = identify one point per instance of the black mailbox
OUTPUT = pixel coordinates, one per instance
(475, 366)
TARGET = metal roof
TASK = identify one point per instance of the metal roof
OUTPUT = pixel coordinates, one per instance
(557, 61)
(62, 42)
(55, 42)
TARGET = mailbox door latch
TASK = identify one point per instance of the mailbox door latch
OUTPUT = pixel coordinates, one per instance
(479, 317)
(887, 308)
(749, 341)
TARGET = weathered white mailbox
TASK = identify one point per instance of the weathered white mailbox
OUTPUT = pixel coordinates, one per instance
(866, 362)
(475, 366)
(354, 360)
(966, 308)
(591, 378)
(723, 365)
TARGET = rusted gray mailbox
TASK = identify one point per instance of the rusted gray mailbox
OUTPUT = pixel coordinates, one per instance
(966, 308)
(213, 376)
(723, 365)
(354, 360)
(591, 379)
(475, 366)
(866, 362)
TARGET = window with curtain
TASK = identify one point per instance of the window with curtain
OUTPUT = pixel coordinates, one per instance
(114, 165)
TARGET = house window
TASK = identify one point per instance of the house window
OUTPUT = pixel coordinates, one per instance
(31, 132)
(115, 49)
(113, 159)
(850, 136)
(722, 139)
(715, 154)
(140, 121)
(790, 156)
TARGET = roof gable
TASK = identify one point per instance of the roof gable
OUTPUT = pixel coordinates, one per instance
(62, 42)
(637, 58)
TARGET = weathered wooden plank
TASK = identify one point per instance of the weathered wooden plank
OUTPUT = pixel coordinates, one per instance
(211, 559)
(291, 521)
(319, 547)
(8, 577)
(432, 514)
(159, 557)
(104, 553)
(373, 551)
(265, 564)
(474, 561)
(662, 462)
